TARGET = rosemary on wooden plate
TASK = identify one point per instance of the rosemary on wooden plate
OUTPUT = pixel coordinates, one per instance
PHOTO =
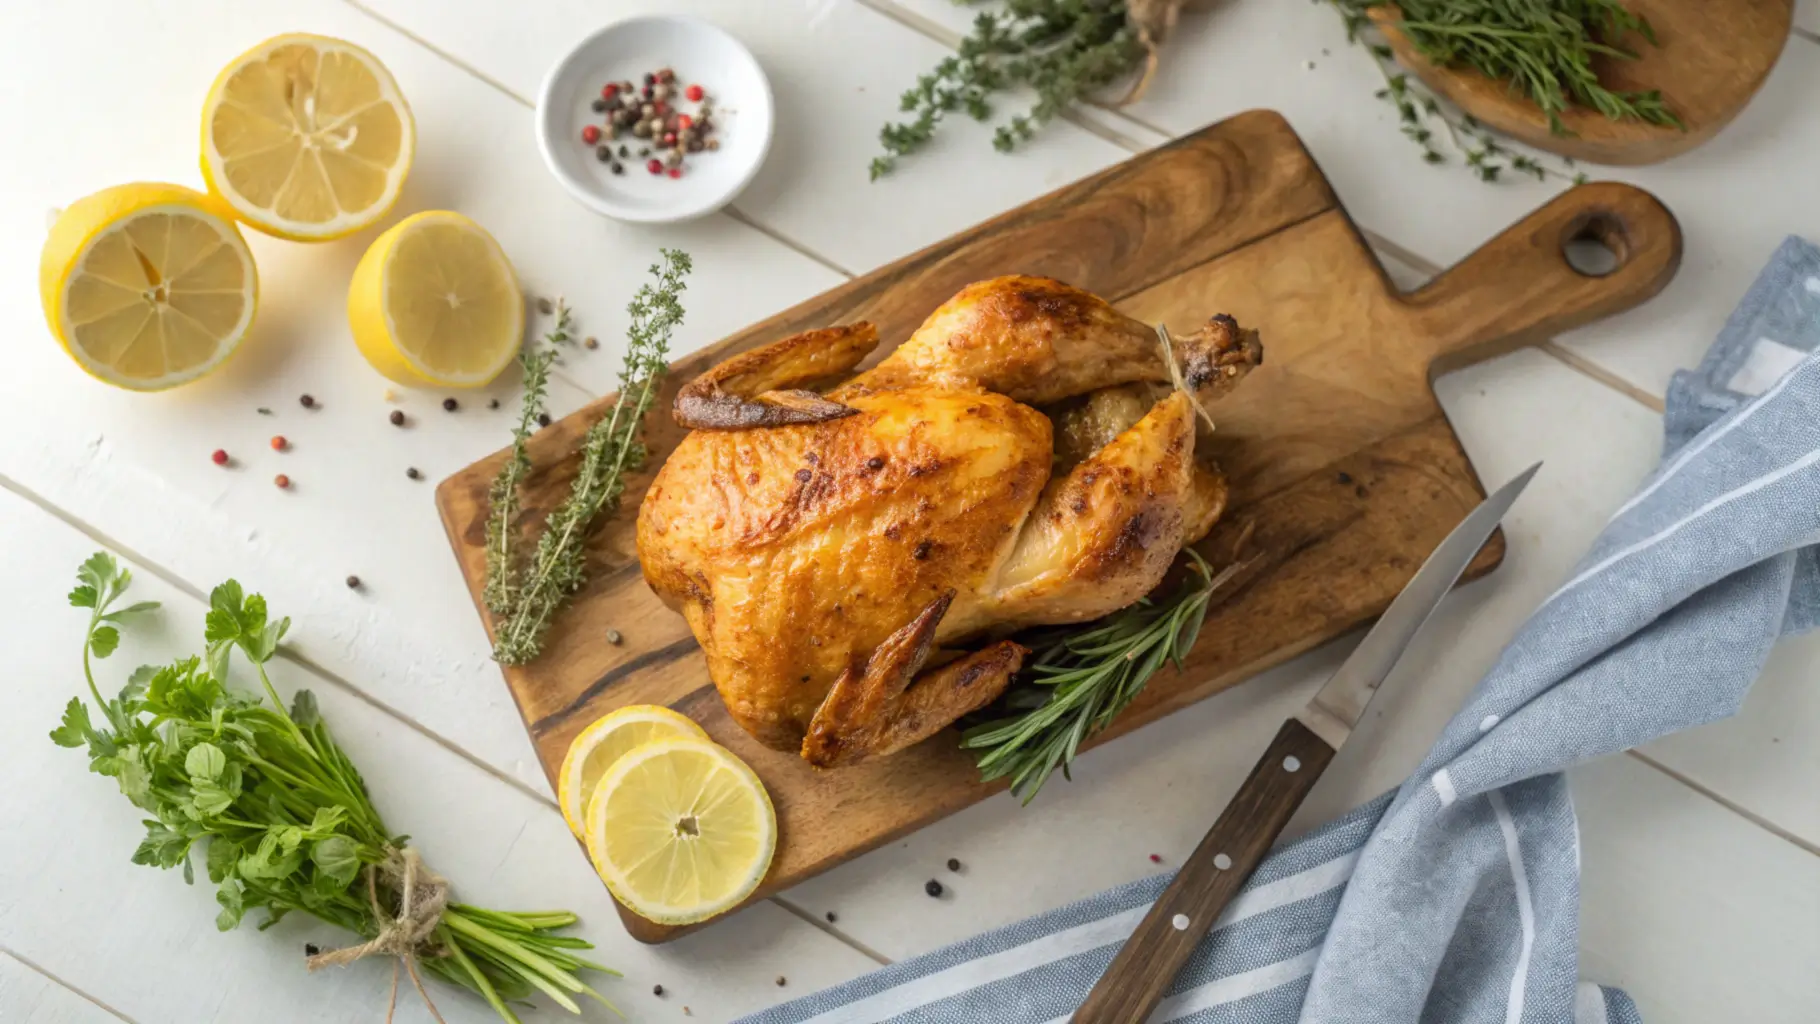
(1080, 678)
(533, 590)
(1544, 49)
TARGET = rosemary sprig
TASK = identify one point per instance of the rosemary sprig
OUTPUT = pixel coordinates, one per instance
(504, 498)
(610, 451)
(1081, 677)
(1543, 48)
(1064, 50)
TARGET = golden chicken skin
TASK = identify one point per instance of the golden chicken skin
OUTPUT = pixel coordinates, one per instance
(850, 550)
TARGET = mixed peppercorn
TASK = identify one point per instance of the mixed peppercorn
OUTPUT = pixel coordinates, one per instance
(648, 112)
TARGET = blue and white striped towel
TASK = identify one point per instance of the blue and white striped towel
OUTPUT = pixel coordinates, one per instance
(1455, 898)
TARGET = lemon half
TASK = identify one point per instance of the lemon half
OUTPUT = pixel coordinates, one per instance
(681, 830)
(306, 137)
(434, 302)
(147, 286)
(603, 743)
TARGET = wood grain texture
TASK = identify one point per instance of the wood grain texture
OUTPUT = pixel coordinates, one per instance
(1345, 473)
(1146, 965)
(1713, 56)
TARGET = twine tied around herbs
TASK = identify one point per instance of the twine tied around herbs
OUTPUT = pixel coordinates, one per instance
(404, 934)
(1153, 20)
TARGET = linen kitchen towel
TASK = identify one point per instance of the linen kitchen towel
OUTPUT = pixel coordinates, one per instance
(1455, 898)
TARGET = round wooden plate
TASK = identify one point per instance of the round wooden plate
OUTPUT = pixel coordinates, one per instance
(1713, 56)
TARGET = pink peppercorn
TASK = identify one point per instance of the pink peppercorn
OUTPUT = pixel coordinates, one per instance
(675, 172)
(279, 443)
(694, 93)
(610, 90)
(655, 166)
(590, 134)
(282, 481)
(220, 457)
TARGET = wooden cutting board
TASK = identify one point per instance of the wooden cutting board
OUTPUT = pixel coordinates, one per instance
(1711, 58)
(1345, 472)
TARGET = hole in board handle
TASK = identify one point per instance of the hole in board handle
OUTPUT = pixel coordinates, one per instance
(1595, 245)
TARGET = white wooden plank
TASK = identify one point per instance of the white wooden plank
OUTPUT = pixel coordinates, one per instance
(1164, 785)
(1238, 56)
(138, 466)
(837, 69)
(142, 942)
(26, 995)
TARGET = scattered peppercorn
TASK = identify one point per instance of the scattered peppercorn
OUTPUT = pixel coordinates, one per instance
(590, 342)
(609, 90)
(220, 457)
(657, 990)
(492, 403)
(282, 481)
(450, 405)
(688, 1012)
(306, 401)
(780, 981)
(543, 419)
(311, 949)
(953, 864)
(713, 143)
(263, 411)
(875, 463)
(353, 582)
(694, 93)
(933, 888)
(397, 417)
(599, 106)
(545, 306)
(922, 549)
(618, 168)
(831, 917)
(614, 638)
(279, 443)
(603, 153)
(655, 166)
(413, 473)
(674, 172)
(1156, 858)
(624, 150)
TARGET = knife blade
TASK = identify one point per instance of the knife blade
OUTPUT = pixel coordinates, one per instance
(1140, 975)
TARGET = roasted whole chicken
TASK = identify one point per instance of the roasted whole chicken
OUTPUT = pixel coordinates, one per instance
(851, 550)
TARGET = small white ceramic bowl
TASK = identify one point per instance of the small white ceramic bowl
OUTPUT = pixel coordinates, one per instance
(701, 54)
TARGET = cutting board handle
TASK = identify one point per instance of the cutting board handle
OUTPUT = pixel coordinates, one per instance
(1519, 288)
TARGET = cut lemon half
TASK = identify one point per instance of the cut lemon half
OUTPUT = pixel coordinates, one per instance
(147, 286)
(681, 830)
(435, 302)
(602, 743)
(306, 137)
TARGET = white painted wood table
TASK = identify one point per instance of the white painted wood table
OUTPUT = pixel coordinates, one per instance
(1702, 881)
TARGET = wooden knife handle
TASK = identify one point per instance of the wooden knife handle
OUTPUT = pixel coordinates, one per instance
(1141, 974)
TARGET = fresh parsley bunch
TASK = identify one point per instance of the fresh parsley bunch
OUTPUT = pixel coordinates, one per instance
(278, 813)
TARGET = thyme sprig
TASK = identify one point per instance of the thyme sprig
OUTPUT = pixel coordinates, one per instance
(505, 497)
(1063, 50)
(610, 450)
(1081, 677)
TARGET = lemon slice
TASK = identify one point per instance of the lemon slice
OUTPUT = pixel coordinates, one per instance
(434, 302)
(602, 743)
(306, 137)
(147, 286)
(681, 830)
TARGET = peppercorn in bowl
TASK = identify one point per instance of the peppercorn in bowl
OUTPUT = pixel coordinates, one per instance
(655, 119)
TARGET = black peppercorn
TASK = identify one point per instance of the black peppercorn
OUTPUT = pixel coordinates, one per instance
(953, 864)
(650, 79)
(311, 949)
(450, 405)
(603, 153)
(875, 463)
(307, 402)
(780, 981)
(599, 106)
(397, 417)
(492, 403)
(831, 917)
(413, 473)
(624, 151)
(618, 168)
(353, 583)
(922, 549)
(543, 419)
(933, 888)
(546, 307)
(657, 990)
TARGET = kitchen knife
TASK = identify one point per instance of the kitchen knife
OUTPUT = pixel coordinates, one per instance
(1141, 974)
